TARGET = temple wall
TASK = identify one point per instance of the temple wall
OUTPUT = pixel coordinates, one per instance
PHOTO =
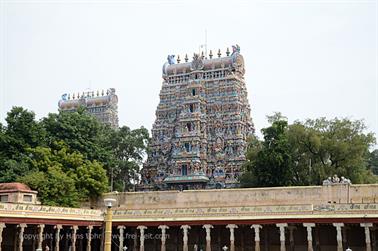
(339, 193)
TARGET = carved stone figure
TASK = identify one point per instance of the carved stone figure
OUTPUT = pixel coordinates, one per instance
(171, 59)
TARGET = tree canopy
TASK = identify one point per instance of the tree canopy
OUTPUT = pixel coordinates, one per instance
(306, 153)
(373, 161)
(68, 157)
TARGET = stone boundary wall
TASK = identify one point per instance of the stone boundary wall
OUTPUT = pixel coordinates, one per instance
(315, 195)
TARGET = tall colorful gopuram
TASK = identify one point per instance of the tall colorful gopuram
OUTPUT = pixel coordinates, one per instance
(202, 123)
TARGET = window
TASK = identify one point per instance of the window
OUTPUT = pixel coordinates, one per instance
(4, 198)
(188, 147)
(27, 198)
(184, 170)
(189, 127)
(191, 108)
(193, 92)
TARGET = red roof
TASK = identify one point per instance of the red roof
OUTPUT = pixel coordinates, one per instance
(15, 187)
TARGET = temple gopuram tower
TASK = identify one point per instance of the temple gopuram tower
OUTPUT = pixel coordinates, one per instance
(202, 123)
(103, 106)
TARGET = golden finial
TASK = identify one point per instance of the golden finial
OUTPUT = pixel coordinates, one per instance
(228, 52)
(186, 58)
(69, 96)
(78, 95)
(219, 53)
(178, 59)
(102, 93)
(211, 54)
(98, 93)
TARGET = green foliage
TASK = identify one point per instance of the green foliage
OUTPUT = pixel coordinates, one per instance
(88, 178)
(306, 153)
(91, 179)
(22, 129)
(11, 169)
(21, 132)
(273, 163)
(54, 187)
(66, 156)
(128, 148)
(373, 161)
(79, 131)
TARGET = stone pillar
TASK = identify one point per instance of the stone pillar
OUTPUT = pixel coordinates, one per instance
(367, 227)
(74, 231)
(41, 227)
(208, 228)
(121, 230)
(2, 226)
(185, 231)
(57, 236)
(257, 227)
(163, 236)
(309, 227)
(89, 239)
(282, 226)
(232, 235)
(339, 237)
(21, 236)
(141, 229)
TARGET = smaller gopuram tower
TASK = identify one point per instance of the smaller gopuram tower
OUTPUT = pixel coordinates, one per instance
(104, 105)
(199, 137)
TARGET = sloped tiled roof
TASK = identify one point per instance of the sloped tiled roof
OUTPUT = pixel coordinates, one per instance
(15, 187)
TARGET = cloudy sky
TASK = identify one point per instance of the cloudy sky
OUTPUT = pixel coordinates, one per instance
(304, 58)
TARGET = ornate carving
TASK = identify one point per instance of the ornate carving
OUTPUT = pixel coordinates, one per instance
(235, 49)
(201, 126)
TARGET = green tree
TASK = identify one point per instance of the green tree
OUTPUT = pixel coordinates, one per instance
(91, 179)
(273, 163)
(23, 129)
(21, 132)
(128, 149)
(306, 153)
(69, 148)
(80, 131)
(11, 169)
(373, 161)
(336, 146)
(55, 187)
(88, 177)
